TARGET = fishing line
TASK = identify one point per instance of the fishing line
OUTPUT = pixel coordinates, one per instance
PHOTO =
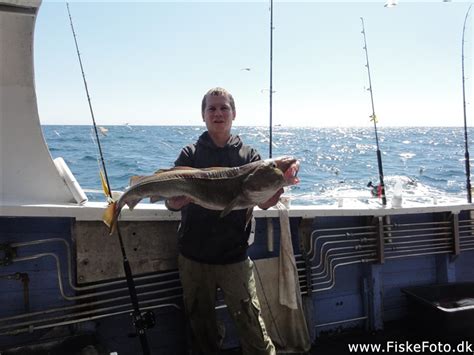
(110, 197)
(374, 119)
(104, 169)
(99, 167)
(466, 144)
(141, 321)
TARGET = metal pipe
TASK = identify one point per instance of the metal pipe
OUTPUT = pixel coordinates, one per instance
(341, 321)
(367, 260)
(331, 269)
(421, 235)
(340, 229)
(395, 249)
(84, 313)
(346, 235)
(413, 230)
(74, 298)
(321, 258)
(31, 329)
(422, 241)
(338, 265)
(420, 248)
(419, 254)
(359, 240)
(69, 266)
(327, 263)
(398, 225)
(326, 257)
(79, 306)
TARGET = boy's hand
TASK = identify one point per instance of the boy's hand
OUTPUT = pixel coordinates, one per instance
(272, 201)
(177, 203)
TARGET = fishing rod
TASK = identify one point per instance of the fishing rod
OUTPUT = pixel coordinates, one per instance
(271, 79)
(141, 321)
(466, 144)
(374, 119)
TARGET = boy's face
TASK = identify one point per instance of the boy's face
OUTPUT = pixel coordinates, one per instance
(218, 114)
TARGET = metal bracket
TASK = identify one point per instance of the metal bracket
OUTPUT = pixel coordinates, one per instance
(380, 240)
(455, 227)
(143, 321)
(7, 254)
(305, 229)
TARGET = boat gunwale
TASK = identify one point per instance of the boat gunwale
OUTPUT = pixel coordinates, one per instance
(92, 211)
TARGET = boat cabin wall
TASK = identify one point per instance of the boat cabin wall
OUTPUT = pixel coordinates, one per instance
(27, 172)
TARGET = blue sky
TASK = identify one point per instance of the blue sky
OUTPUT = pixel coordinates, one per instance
(150, 63)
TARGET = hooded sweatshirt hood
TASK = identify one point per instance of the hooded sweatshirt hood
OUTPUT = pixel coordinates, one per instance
(234, 142)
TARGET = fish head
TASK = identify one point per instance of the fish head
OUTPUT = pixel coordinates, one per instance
(270, 176)
(288, 166)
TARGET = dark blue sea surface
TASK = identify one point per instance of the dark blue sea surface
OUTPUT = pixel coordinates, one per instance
(336, 163)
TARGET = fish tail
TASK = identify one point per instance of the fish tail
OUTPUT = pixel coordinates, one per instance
(110, 217)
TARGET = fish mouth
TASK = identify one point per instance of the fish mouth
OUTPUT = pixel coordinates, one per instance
(289, 166)
(291, 174)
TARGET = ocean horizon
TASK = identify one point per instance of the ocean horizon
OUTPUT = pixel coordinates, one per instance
(236, 125)
(336, 163)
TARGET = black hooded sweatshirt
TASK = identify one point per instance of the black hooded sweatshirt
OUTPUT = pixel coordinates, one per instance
(203, 235)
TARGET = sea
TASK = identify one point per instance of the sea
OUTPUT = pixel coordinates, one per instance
(425, 164)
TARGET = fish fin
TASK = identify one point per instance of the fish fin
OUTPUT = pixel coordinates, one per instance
(109, 217)
(237, 199)
(217, 168)
(131, 203)
(134, 179)
(248, 216)
(230, 206)
(159, 171)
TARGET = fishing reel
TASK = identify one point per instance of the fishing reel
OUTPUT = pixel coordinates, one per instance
(143, 321)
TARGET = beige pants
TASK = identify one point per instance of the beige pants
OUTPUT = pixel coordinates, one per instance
(237, 283)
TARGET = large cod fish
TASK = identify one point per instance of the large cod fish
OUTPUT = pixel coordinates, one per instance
(224, 189)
